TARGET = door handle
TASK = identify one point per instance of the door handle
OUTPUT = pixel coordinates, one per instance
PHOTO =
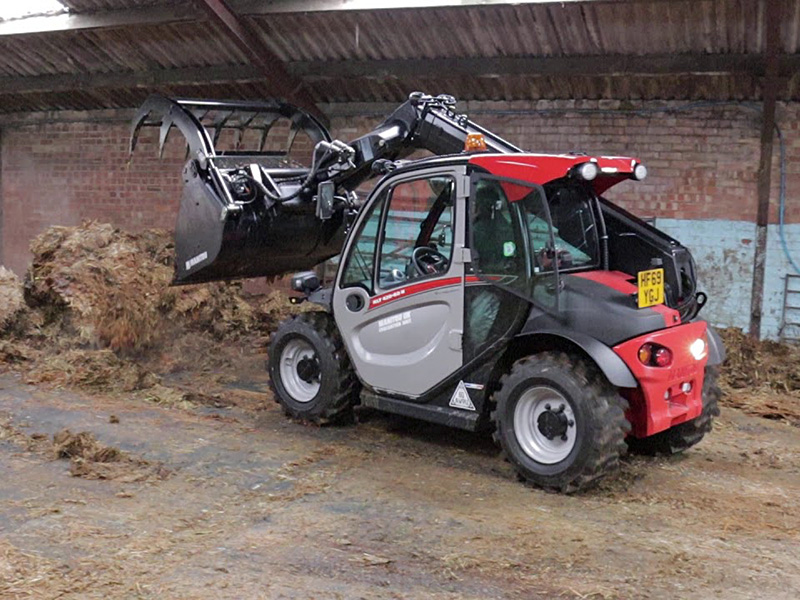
(354, 302)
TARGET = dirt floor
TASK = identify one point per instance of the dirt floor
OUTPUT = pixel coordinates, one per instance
(235, 501)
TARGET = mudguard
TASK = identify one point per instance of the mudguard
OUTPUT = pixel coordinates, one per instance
(716, 347)
(612, 366)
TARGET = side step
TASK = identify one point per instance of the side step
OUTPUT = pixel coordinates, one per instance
(442, 415)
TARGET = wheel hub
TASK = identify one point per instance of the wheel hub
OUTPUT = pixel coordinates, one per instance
(553, 423)
(299, 370)
(544, 425)
(308, 369)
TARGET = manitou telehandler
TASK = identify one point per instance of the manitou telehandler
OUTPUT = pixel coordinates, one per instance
(483, 288)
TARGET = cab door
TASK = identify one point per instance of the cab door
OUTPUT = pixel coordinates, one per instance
(399, 297)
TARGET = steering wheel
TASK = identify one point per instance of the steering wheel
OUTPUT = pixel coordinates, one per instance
(545, 258)
(428, 261)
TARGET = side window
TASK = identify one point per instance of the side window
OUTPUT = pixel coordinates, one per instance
(361, 262)
(573, 225)
(417, 237)
(512, 238)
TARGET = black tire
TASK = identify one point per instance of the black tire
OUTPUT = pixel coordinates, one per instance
(338, 386)
(599, 420)
(682, 437)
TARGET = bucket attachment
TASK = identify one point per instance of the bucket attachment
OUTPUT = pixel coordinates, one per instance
(242, 213)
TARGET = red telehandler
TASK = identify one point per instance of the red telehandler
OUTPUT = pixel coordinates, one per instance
(483, 288)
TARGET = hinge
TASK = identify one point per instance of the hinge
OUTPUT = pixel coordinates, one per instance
(463, 255)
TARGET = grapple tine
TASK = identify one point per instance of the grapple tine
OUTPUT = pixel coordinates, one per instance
(136, 127)
(219, 125)
(269, 121)
(171, 113)
(166, 126)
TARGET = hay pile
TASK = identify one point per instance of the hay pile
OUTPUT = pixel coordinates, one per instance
(761, 377)
(92, 460)
(105, 288)
(12, 302)
(96, 311)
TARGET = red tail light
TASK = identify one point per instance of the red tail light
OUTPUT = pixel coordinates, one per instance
(654, 355)
(663, 357)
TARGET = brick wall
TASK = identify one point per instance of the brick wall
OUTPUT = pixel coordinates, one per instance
(703, 163)
(64, 173)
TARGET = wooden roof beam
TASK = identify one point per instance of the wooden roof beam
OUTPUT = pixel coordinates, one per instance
(477, 67)
(280, 82)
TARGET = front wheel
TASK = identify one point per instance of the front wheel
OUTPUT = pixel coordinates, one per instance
(310, 372)
(559, 421)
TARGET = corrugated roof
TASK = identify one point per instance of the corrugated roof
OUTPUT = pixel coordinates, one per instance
(81, 6)
(572, 29)
(569, 29)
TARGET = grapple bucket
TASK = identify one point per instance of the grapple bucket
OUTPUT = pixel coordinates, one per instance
(225, 230)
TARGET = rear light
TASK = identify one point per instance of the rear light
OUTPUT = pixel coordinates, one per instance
(654, 355)
(698, 349)
(663, 357)
(645, 354)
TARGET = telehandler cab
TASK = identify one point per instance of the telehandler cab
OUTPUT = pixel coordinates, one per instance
(483, 288)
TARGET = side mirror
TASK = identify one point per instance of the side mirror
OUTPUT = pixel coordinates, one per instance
(325, 193)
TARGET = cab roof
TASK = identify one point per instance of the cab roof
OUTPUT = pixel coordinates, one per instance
(538, 168)
(543, 168)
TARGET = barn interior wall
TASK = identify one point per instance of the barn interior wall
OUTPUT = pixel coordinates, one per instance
(703, 162)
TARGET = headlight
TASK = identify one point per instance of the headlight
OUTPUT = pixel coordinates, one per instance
(698, 348)
(587, 171)
(639, 172)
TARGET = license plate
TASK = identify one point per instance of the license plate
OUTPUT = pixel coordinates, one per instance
(651, 287)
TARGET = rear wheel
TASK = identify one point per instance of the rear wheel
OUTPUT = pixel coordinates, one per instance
(310, 372)
(684, 436)
(559, 421)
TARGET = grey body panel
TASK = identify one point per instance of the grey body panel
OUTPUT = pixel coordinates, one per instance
(404, 341)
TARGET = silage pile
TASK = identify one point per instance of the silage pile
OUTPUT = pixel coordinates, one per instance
(12, 301)
(761, 377)
(105, 288)
(98, 311)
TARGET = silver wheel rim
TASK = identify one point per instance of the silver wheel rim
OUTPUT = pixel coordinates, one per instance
(299, 389)
(533, 442)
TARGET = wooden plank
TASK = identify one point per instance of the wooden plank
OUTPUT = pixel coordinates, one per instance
(473, 67)
(147, 79)
(770, 90)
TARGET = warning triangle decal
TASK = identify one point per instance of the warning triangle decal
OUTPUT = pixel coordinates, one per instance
(461, 398)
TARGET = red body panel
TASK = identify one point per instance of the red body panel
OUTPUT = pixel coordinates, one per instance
(543, 168)
(659, 403)
(622, 282)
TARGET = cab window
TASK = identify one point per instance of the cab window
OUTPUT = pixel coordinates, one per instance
(417, 235)
(573, 225)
